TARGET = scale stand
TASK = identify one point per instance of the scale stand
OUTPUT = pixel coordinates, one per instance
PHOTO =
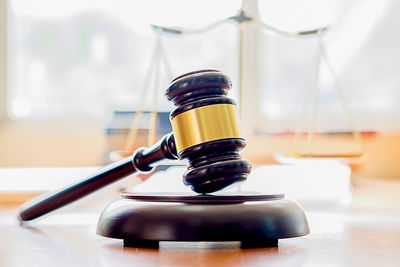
(255, 220)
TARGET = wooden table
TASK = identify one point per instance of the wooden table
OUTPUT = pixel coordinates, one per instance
(366, 234)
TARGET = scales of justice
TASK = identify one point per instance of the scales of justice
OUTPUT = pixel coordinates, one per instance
(205, 132)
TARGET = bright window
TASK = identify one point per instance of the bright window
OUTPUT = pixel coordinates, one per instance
(86, 58)
(362, 46)
(82, 58)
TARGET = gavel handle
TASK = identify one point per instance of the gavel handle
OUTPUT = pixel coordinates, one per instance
(141, 160)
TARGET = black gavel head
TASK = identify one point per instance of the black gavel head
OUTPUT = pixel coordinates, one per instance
(206, 130)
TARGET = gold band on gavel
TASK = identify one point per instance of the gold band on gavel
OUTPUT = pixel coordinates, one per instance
(205, 124)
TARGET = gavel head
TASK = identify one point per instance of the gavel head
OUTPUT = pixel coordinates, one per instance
(206, 130)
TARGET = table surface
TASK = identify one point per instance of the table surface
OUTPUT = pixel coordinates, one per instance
(365, 234)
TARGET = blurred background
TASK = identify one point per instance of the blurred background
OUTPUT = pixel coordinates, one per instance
(73, 74)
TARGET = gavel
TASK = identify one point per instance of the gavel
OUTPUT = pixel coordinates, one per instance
(205, 131)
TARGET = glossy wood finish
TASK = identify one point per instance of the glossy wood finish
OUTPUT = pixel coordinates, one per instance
(213, 164)
(145, 221)
(366, 234)
(201, 199)
(142, 160)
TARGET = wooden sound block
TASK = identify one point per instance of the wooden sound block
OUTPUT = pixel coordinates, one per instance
(254, 219)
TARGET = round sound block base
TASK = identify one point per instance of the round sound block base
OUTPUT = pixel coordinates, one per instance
(254, 220)
(244, 244)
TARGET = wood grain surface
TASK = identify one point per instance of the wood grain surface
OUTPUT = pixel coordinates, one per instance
(366, 234)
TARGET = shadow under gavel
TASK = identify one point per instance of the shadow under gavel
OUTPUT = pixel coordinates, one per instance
(205, 131)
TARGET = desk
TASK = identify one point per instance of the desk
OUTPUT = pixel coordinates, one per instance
(366, 234)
